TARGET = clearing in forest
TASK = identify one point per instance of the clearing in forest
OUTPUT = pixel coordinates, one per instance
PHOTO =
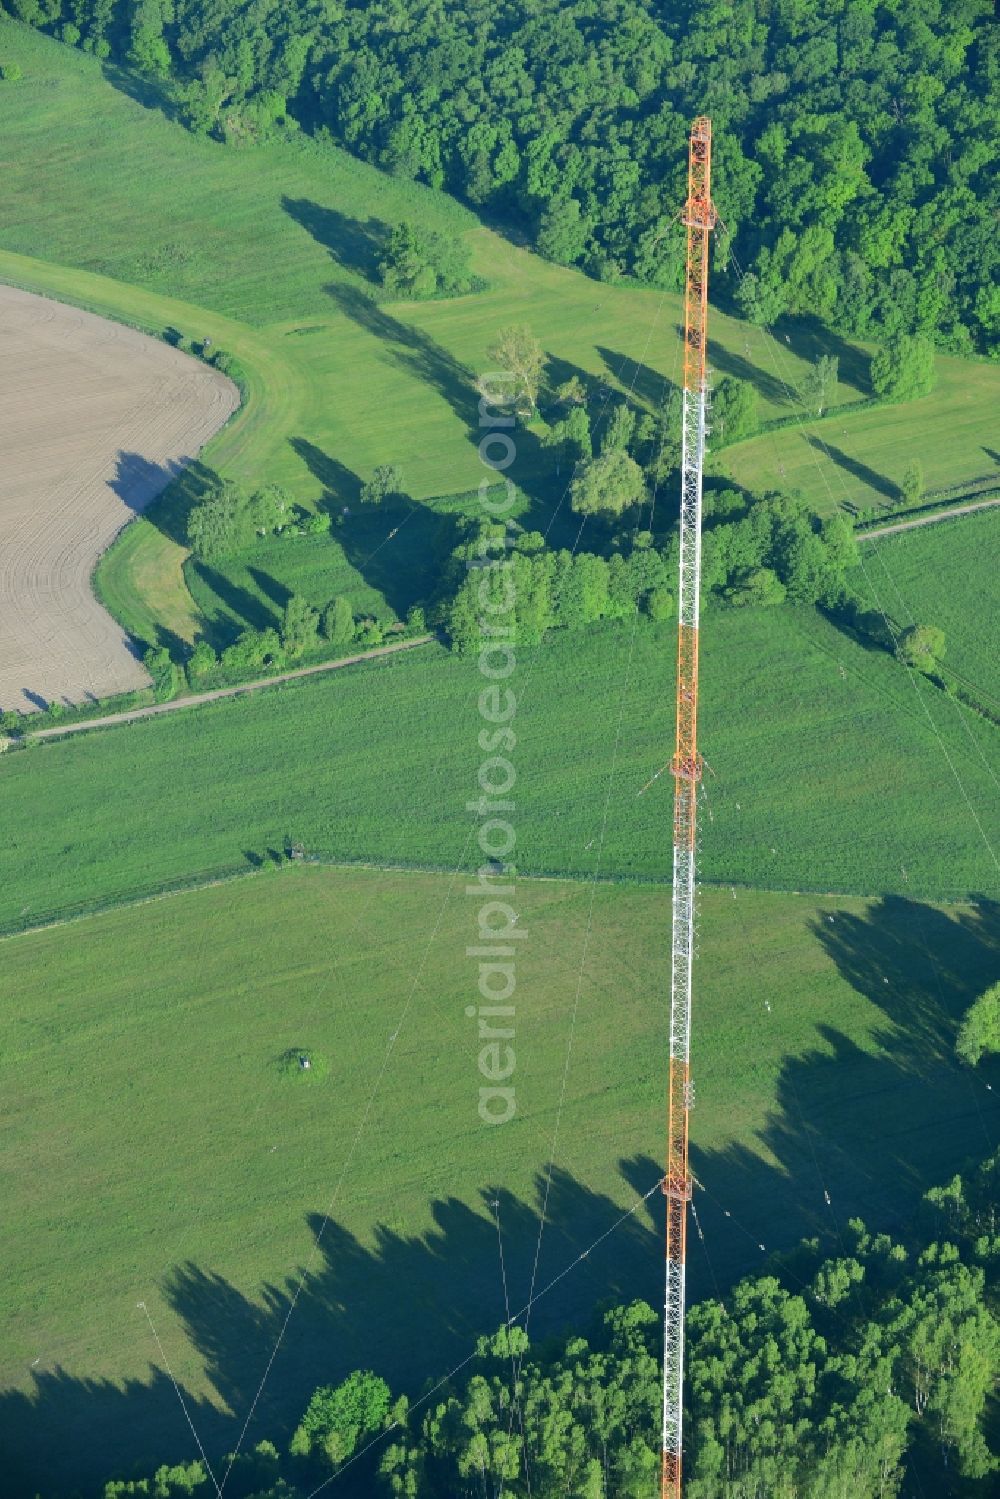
(97, 420)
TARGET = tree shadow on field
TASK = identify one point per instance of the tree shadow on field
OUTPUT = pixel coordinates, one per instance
(433, 365)
(638, 381)
(810, 338)
(357, 246)
(415, 351)
(142, 89)
(397, 546)
(340, 484)
(742, 368)
(270, 587)
(873, 1129)
(138, 480)
(235, 609)
(167, 639)
(409, 1306)
(176, 496)
(869, 1129)
(854, 467)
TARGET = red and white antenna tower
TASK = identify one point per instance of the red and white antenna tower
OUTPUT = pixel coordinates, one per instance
(699, 216)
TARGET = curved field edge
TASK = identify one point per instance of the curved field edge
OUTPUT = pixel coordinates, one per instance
(821, 758)
(99, 419)
(139, 578)
(293, 391)
(215, 1168)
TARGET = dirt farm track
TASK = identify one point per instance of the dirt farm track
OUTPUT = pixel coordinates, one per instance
(94, 420)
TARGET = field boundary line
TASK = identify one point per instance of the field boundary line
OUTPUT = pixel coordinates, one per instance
(128, 905)
(925, 520)
(195, 699)
(625, 882)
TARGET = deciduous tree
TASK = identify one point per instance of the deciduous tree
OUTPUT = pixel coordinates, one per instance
(921, 646)
(607, 485)
(818, 383)
(980, 1030)
(299, 627)
(338, 621)
(518, 353)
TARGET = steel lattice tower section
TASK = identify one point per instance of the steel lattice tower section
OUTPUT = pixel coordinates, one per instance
(699, 216)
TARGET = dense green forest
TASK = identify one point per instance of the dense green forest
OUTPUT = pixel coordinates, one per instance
(864, 1375)
(856, 142)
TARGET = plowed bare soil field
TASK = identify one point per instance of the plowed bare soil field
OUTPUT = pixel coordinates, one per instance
(95, 419)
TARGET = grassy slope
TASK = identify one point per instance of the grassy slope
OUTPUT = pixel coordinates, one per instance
(339, 385)
(185, 1172)
(821, 754)
(946, 575)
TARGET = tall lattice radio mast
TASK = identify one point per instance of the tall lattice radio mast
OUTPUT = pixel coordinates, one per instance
(699, 216)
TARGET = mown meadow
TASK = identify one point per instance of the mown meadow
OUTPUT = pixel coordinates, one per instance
(159, 1156)
(821, 758)
(339, 381)
(859, 458)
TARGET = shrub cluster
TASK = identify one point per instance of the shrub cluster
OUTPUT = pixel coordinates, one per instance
(305, 634)
(230, 519)
(775, 549)
(421, 263)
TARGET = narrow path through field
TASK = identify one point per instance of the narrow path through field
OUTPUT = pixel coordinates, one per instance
(195, 699)
(925, 520)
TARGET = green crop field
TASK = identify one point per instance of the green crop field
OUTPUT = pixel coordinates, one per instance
(945, 574)
(156, 1153)
(337, 381)
(821, 755)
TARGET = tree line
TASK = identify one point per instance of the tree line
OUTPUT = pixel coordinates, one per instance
(755, 550)
(823, 1378)
(855, 144)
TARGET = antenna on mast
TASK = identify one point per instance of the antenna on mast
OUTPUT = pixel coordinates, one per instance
(686, 765)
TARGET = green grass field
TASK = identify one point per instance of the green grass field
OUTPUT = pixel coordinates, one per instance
(153, 1150)
(860, 457)
(821, 755)
(337, 382)
(182, 1169)
(945, 575)
(254, 589)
